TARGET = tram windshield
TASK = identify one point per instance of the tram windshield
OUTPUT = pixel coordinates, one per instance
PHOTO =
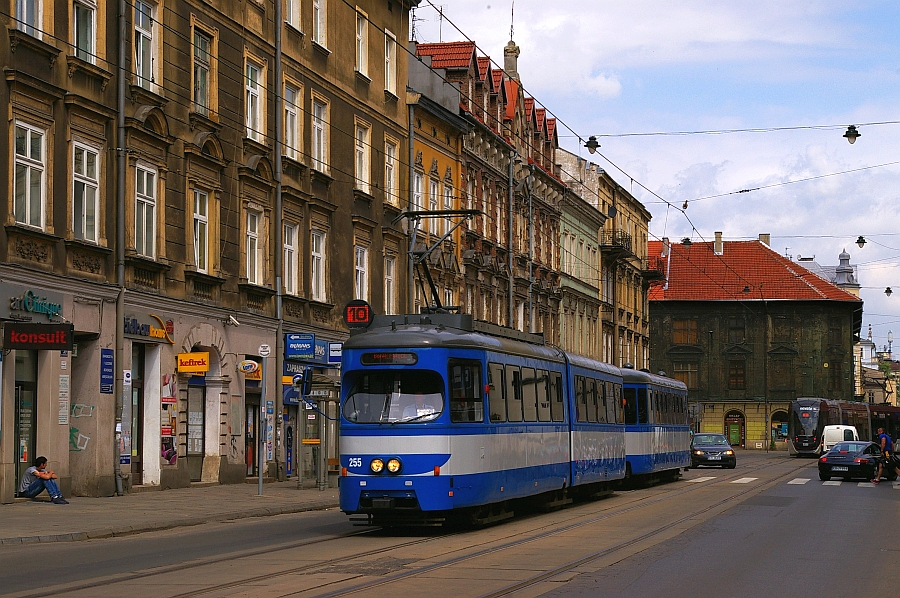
(395, 397)
(804, 421)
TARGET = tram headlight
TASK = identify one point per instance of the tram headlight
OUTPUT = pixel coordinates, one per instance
(393, 465)
(377, 465)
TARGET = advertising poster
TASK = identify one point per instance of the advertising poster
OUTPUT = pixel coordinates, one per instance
(168, 404)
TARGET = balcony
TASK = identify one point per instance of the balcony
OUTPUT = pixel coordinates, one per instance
(653, 269)
(616, 245)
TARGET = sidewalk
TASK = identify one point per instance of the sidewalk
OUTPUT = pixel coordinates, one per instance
(85, 518)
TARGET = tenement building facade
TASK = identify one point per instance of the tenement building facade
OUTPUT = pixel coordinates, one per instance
(217, 204)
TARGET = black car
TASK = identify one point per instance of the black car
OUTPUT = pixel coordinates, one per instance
(850, 459)
(712, 449)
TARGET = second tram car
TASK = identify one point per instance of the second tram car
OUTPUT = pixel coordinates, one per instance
(442, 415)
(657, 437)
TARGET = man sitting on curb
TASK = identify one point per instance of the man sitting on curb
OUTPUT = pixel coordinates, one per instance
(36, 479)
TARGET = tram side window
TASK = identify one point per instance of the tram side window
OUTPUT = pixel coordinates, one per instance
(497, 392)
(601, 401)
(610, 403)
(529, 395)
(630, 406)
(557, 406)
(591, 398)
(580, 400)
(466, 402)
(543, 396)
(513, 393)
(620, 403)
(642, 406)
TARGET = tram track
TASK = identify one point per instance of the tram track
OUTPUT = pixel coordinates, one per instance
(633, 501)
(635, 505)
(572, 523)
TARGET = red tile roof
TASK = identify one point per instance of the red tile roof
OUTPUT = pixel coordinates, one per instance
(697, 274)
(484, 67)
(529, 108)
(540, 114)
(551, 128)
(512, 99)
(498, 79)
(448, 55)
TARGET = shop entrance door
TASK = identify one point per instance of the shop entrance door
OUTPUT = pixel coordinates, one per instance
(310, 441)
(734, 428)
(137, 413)
(195, 431)
(251, 441)
(26, 410)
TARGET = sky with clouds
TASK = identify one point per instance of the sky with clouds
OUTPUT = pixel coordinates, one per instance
(622, 70)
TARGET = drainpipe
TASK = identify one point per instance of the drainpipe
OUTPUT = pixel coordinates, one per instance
(121, 156)
(279, 241)
(530, 251)
(411, 225)
(512, 281)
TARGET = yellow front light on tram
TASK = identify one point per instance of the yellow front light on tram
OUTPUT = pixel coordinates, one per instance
(393, 465)
(377, 465)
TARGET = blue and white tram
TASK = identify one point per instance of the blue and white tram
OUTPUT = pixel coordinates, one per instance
(443, 415)
(437, 417)
(657, 436)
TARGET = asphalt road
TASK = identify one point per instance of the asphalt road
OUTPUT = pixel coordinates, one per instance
(770, 527)
(797, 539)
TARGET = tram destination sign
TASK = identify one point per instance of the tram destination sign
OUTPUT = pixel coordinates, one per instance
(39, 337)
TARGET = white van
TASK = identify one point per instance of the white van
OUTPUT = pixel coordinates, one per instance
(834, 434)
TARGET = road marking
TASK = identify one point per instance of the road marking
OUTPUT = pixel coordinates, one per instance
(799, 481)
(831, 483)
(866, 485)
(744, 480)
(703, 479)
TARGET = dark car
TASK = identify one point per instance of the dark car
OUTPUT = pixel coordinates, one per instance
(847, 460)
(712, 449)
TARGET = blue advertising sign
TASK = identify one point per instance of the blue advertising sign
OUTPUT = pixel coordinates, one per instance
(321, 353)
(300, 346)
(107, 371)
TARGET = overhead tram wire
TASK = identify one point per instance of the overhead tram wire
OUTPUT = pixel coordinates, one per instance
(749, 130)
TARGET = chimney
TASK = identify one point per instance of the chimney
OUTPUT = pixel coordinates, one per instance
(511, 60)
(765, 238)
(665, 247)
(719, 248)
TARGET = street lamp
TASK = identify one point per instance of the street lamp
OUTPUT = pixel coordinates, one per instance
(860, 240)
(888, 291)
(592, 144)
(890, 342)
(852, 134)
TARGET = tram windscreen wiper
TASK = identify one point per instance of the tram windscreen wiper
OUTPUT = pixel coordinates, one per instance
(413, 418)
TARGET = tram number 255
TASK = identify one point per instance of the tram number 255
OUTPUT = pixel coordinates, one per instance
(355, 462)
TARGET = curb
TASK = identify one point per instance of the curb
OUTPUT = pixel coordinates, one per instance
(138, 529)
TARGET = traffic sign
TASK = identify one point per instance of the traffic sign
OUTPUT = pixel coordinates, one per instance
(265, 350)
